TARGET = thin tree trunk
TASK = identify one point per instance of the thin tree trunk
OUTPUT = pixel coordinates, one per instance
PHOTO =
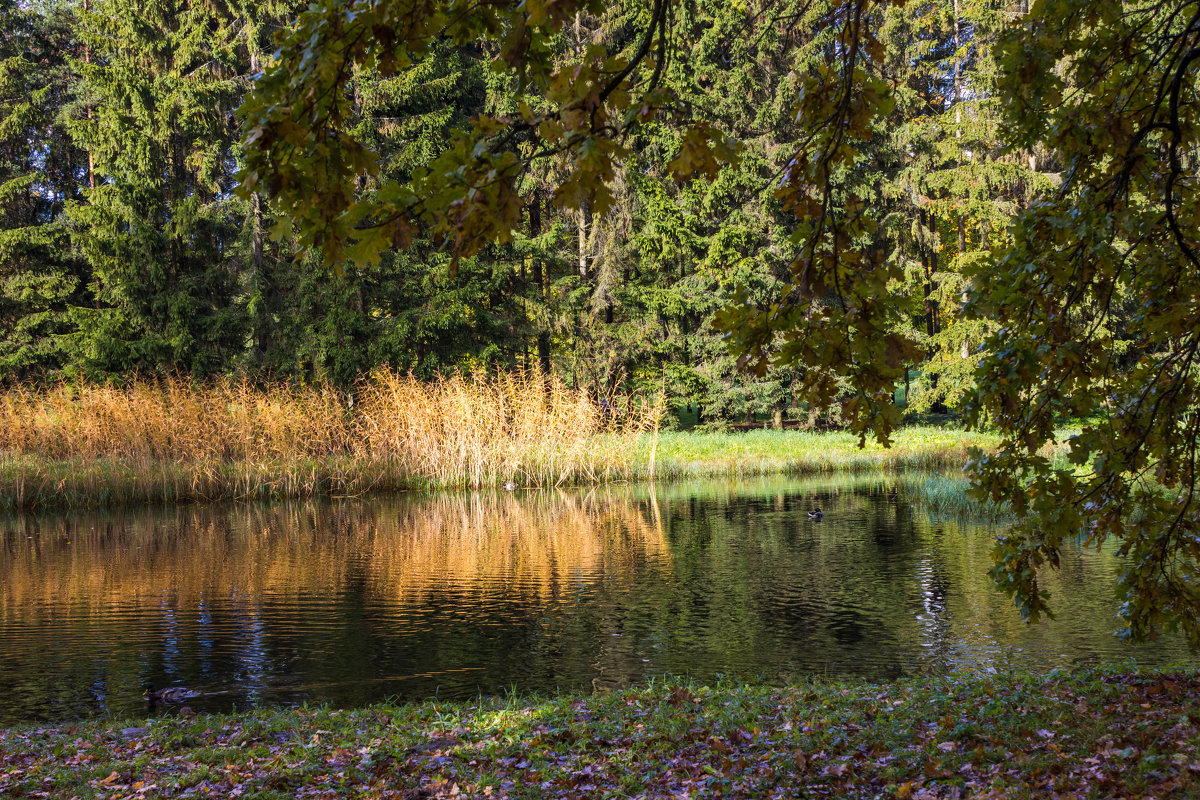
(962, 233)
(261, 337)
(932, 321)
(962, 228)
(928, 267)
(87, 59)
(585, 221)
(539, 278)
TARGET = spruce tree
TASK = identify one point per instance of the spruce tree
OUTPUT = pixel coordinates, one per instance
(157, 229)
(39, 171)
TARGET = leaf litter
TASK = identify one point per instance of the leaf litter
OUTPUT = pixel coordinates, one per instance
(1085, 734)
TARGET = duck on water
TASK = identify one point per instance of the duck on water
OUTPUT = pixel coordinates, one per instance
(172, 694)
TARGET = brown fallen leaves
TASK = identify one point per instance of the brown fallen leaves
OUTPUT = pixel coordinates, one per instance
(1092, 734)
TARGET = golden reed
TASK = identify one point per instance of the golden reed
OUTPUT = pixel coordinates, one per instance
(174, 439)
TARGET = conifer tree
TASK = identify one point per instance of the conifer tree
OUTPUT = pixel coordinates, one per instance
(955, 185)
(39, 170)
(157, 227)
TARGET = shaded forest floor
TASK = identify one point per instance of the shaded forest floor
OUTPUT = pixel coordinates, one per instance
(1105, 733)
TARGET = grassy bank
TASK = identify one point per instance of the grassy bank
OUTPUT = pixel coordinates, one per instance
(174, 441)
(762, 452)
(1084, 734)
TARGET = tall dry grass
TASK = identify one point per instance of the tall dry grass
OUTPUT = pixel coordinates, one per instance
(175, 420)
(172, 439)
(510, 427)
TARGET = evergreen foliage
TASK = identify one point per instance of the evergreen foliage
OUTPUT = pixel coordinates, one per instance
(40, 168)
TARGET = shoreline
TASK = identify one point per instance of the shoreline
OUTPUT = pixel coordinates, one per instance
(1114, 730)
(33, 483)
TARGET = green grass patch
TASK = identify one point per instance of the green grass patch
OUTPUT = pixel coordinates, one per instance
(1098, 733)
(759, 452)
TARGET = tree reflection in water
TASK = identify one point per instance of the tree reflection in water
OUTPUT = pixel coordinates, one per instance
(457, 594)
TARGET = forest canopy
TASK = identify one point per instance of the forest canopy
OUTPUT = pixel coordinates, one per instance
(771, 207)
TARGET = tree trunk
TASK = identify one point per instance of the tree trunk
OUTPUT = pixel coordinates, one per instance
(585, 221)
(928, 267)
(543, 351)
(261, 336)
(932, 319)
(87, 59)
(539, 278)
(962, 233)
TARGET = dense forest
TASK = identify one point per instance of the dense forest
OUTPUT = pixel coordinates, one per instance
(125, 248)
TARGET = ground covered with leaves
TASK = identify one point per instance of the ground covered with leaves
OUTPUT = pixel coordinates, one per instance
(1083, 734)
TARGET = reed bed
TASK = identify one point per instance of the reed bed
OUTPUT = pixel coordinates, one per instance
(509, 428)
(176, 420)
(174, 440)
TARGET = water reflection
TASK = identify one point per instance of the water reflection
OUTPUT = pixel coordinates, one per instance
(459, 594)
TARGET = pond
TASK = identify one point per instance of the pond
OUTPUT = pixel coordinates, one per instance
(456, 595)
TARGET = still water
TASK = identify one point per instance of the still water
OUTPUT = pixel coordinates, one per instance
(460, 594)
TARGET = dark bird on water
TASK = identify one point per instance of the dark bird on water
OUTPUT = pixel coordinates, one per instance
(172, 694)
(816, 513)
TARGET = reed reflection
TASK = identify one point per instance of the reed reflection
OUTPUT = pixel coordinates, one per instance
(255, 600)
(457, 594)
(531, 547)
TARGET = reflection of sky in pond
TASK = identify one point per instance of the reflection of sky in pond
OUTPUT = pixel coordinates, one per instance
(460, 594)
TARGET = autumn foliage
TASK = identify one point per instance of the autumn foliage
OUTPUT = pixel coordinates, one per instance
(1081, 735)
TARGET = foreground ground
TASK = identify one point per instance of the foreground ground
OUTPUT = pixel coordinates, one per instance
(1087, 734)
